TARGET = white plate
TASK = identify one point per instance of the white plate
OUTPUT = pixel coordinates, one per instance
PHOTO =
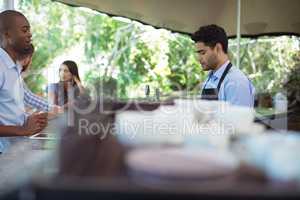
(43, 136)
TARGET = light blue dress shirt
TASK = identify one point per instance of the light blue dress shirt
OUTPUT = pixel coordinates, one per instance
(12, 109)
(236, 87)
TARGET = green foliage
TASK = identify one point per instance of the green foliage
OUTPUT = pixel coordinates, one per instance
(133, 55)
(53, 30)
(185, 71)
(268, 61)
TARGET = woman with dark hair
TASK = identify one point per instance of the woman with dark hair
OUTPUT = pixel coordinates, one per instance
(69, 86)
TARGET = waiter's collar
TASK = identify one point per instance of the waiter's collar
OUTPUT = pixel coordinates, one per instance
(217, 74)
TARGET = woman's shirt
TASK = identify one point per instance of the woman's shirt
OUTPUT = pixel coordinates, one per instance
(61, 96)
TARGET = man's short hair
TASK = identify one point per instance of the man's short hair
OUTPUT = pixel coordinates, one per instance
(210, 35)
(7, 19)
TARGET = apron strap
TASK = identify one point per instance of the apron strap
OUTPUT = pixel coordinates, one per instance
(220, 82)
(224, 75)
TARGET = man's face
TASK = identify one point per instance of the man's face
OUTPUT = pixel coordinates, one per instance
(19, 35)
(207, 56)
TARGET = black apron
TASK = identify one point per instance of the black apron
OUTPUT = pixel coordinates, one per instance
(212, 93)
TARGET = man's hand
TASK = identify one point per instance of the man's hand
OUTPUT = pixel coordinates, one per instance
(35, 123)
(55, 111)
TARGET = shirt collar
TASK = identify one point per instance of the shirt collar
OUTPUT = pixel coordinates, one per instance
(217, 74)
(7, 59)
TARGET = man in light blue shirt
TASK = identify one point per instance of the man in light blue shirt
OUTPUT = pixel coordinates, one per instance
(236, 88)
(225, 82)
(15, 40)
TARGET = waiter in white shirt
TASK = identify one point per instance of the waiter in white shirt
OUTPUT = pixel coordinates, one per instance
(225, 82)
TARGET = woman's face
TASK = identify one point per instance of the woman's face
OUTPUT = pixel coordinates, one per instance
(64, 73)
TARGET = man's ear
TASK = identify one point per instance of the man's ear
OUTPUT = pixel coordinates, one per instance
(3, 39)
(5, 36)
(219, 47)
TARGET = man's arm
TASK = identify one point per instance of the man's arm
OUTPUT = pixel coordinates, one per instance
(34, 124)
(6, 131)
(34, 101)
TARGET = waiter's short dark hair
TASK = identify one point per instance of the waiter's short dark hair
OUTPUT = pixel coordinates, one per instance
(210, 35)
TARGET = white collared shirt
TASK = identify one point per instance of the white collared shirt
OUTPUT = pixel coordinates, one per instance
(236, 87)
(12, 109)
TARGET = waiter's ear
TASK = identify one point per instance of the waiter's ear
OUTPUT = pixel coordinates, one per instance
(219, 48)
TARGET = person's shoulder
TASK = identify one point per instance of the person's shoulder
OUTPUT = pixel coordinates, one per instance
(236, 77)
(237, 74)
(52, 86)
(54, 83)
(2, 57)
(3, 67)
